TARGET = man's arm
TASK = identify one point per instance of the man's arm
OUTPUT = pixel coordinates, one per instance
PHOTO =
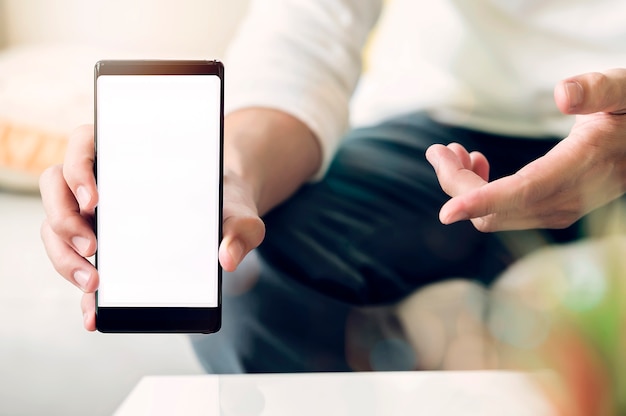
(273, 152)
(291, 71)
(302, 57)
(268, 154)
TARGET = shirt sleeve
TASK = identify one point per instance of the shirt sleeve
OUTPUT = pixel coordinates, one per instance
(302, 57)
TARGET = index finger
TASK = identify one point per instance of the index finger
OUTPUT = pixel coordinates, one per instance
(452, 165)
(78, 167)
(495, 198)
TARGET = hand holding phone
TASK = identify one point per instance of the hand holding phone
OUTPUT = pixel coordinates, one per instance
(158, 166)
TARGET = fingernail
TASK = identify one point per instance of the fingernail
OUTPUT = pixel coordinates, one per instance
(574, 94)
(80, 243)
(235, 249)
(82, 278)
(83, 196)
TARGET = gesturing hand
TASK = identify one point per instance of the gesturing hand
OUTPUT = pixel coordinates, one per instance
(584, 171)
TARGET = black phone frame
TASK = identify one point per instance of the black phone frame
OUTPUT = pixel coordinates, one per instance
(161, 319)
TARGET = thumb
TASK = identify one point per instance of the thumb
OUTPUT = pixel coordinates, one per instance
(240, 235)
(593, 92)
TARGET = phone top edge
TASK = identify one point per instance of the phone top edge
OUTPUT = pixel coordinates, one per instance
(159, 67)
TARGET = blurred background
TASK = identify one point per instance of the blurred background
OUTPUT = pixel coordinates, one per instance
(48, 364)
(47, 55)
(189, 27)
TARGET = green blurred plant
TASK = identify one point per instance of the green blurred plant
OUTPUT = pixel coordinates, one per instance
(561, 310)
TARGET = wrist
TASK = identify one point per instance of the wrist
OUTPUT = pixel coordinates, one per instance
(271, 151)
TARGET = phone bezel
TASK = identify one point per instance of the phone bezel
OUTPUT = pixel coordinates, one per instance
(161, 319)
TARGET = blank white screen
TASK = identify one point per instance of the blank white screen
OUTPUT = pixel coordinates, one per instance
(158, 144)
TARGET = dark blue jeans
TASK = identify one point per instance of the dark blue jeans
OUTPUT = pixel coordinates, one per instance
(315, 296)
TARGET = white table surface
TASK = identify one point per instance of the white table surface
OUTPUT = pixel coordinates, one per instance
(49, 365)
(384, 393)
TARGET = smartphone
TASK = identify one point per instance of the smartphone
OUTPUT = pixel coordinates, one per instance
(158, 168)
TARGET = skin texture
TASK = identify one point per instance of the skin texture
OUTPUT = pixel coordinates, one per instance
(269, 154)
(584, 171)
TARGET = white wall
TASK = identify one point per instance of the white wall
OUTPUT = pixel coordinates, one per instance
(178, 28)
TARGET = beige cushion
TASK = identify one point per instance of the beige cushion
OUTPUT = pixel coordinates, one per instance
(45, 92)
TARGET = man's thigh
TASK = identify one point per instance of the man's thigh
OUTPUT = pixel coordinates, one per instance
(366, 235)
(369, 232)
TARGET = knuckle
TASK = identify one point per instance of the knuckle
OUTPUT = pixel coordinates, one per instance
(63, 224)
(49, 174)
(80, 135)
(529, 192)
(69, 172)
(597, 79)
(485, 225)
(63, 264)
(77, 171)
(63, 258)
(260, 232)
(445, 186)
(601, 83)
(57, 223)
(44, 229)
(87, 302)
(562, 219)
(560, 224)
(84, 303)
(448, 183)
(566, 221)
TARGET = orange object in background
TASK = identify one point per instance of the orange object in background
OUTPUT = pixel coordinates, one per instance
(583, 386)
(28, 150)
(39, 106)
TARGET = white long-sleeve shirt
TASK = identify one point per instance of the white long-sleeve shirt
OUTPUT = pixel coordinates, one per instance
(485, 64)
